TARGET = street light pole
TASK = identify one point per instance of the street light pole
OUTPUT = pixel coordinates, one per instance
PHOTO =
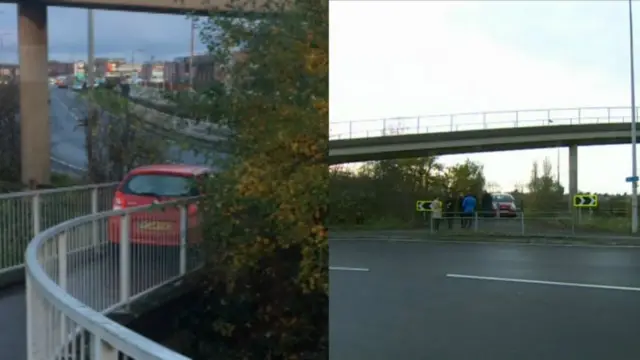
(558, 165)
(193, 47)
(90, 122)
(91, 50)
(634, 167)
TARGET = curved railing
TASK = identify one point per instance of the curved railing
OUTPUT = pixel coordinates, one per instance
(478, 121)
(82, 269)
(24, 214)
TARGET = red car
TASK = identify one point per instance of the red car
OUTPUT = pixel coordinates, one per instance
(504, 205)
(154, 184)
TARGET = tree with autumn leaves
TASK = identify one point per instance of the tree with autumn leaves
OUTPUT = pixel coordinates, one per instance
(265, 282)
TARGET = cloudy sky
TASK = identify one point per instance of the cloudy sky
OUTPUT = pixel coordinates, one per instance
(418, 58)
(117, 34)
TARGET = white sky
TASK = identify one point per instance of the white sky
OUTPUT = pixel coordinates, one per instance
(395, 59)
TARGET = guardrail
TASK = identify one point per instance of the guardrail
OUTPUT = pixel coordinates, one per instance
(24, 214)
(203, 130)
(477, 121)
(75, 276)
(581, 223)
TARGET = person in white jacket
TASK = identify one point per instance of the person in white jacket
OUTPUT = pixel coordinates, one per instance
(436, 213)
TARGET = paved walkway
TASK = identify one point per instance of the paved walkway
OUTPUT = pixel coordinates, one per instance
(95, 282)
(13, 328)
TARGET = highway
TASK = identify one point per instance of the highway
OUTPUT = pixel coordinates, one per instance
(417, 301)
(68, 141)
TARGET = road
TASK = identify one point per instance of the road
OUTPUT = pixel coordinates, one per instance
(94, 281)
(68, 141)
(395, 301)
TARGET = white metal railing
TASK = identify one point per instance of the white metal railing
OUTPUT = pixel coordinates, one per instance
(24, 214)
(478, 121)
(84, 268)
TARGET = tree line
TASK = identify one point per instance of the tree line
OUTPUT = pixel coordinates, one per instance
(384, 193)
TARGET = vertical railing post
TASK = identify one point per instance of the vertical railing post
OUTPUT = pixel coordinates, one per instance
(517, 118)
(451, 122)
(35, 213)
(94, 223)
(475, 221)
(384, 127)
(522, 222)
(184, 225)
(484, 121)
(579, 116)
(62, 280)
(101, 350)
(350, 129)
(431, 224)
(125, 260)
(418, 131)
(30, 293)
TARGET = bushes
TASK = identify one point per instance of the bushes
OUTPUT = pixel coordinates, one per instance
(384, 193)
(265, 281)
(10, 144)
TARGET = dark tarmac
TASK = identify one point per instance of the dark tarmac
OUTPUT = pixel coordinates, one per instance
(405, 307)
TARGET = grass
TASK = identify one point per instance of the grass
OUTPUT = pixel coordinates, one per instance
(548, 227)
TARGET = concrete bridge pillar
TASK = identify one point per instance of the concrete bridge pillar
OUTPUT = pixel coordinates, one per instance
(573, 175)
(34, 93)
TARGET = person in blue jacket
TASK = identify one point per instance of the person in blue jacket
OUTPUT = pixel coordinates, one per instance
(468, 208)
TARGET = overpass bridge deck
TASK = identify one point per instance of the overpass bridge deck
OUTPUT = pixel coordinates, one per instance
(397, 126)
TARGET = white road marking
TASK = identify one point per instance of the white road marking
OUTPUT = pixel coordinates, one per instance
(67, 108)
(345, 268)
(543, 282)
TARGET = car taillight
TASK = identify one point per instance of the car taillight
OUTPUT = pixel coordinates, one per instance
(193, 208)
(119, 203)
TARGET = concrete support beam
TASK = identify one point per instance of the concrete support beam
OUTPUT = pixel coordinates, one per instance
(34, 93)
(573, 173)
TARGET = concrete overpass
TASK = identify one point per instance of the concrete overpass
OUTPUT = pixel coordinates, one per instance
(405, 138)
(34, 92)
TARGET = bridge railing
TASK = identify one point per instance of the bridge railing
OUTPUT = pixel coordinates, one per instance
(73, 283)
(24, 214)
(477, 121)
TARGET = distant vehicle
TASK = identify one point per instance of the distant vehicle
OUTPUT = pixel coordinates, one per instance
(77, 86)
(505, 205)
(62, 83)
(151, 184)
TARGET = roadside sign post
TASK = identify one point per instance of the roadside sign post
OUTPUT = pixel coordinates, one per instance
(423, 206)
(585, 201)
(581, 201)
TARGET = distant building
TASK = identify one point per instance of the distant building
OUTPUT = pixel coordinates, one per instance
(57, 68)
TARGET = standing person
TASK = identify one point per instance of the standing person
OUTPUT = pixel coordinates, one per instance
(459, 209)
(468, 207)
(449, 210)
(436, 213)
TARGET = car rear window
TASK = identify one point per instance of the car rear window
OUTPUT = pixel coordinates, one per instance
(169, 185)
(503, 198)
